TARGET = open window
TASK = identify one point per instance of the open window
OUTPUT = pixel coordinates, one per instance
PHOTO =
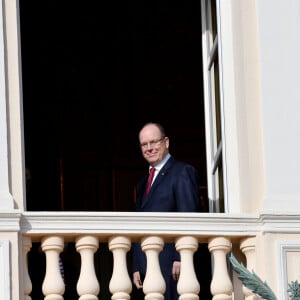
(92, 76)
(213, 106)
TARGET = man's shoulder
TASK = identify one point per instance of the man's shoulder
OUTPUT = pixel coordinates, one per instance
(179, 163)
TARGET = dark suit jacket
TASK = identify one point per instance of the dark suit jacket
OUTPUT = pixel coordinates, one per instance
(175, 189)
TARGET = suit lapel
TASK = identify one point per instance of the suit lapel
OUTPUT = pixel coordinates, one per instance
(159, 178)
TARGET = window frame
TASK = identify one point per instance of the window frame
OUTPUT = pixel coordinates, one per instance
(214, 106)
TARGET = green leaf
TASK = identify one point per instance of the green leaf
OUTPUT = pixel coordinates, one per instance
(294, 290)
(251, 280)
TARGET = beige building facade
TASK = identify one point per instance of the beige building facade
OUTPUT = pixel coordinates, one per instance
(258, 57)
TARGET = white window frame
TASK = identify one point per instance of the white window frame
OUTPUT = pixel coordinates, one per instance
(215, 152)
(6, 200)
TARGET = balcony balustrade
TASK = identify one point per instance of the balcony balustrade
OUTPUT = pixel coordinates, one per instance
(119, 230)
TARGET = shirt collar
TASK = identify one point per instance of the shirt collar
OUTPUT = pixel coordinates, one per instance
(161, 163)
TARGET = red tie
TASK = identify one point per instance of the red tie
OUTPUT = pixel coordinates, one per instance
(150, 178)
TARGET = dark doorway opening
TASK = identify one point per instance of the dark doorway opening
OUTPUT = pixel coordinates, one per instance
(93, 74)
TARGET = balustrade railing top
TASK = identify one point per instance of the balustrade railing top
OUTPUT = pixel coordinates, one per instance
(137, 224)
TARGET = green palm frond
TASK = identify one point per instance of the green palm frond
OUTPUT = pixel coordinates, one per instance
(251, 280)
(294, 290)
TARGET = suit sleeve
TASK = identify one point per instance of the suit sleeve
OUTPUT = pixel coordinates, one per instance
(135, 263)
(187, 190)
(187, 194)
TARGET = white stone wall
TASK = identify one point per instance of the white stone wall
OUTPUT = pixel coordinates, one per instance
(279, 48)
(261, 90)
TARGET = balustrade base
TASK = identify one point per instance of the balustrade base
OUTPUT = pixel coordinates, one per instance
(189, 297)
(88, 297)
(154, 296)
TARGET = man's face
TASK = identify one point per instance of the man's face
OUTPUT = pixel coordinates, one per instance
(154, 146)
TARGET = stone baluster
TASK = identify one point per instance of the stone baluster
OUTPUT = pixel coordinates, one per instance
(120, 284)
(221, 285)
(53, 285)
(27, 282)
(247, 246)
(154, 285)
(188, 286)
(88, 286)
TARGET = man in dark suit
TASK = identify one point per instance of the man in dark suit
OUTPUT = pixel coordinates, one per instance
(174, 188)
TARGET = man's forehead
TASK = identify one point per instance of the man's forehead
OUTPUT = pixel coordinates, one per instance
(149, 131)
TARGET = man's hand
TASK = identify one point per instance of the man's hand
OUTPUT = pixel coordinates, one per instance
(176, 270)
(137, 280)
